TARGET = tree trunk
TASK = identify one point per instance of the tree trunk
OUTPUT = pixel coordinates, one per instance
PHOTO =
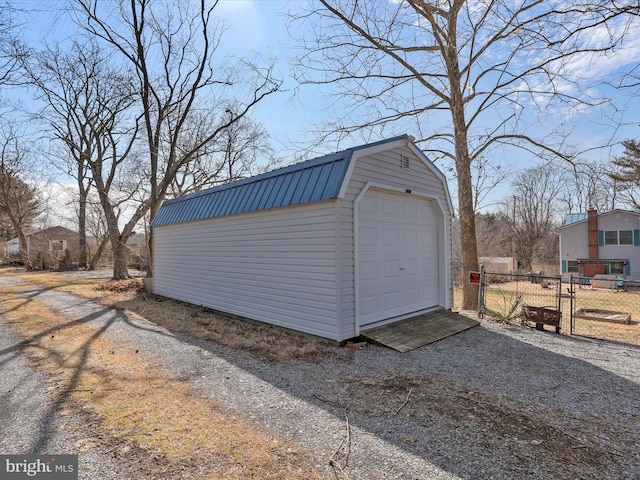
(82, 225)
(466, 210)
(154, 209)
(96, 258)
(469, 247)
(120, 270)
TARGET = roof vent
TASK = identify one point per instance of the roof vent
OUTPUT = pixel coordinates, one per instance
(404, 162)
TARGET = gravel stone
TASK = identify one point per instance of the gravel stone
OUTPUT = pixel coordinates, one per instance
(494, 401)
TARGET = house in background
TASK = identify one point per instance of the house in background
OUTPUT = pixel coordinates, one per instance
(595, 243)
(47, 248)
(328, 246)
(498, 264)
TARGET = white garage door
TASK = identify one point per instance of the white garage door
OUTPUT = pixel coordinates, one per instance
(397, 256)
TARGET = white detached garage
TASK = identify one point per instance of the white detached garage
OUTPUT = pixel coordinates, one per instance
(330, 246)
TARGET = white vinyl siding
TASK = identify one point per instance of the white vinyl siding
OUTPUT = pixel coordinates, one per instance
(275, 266)
(295, 266)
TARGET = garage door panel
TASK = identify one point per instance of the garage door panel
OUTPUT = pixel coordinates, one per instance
(391, 303)
(368, 236)
(369, 271)
(397, 255)
(429, 295)
(428, 235)
(390, 206)
(426, 264)
(369, 306)
(412, 266)
(412, 296)
(391, 237)
(391, 270)
(368, 205)
(411, 209)
(410, 238)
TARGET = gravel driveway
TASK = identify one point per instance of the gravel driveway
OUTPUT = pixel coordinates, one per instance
(492, 402)
(34, 421)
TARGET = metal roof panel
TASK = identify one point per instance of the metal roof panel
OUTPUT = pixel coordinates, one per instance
(572, 218)
(314, 180)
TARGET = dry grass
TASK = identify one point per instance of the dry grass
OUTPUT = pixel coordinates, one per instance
(506, 295)
(186, 436)
(199, 322)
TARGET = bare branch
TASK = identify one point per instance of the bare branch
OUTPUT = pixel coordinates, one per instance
(399, 64)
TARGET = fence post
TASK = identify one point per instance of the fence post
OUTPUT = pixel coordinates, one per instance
(571, 293)
(481, 294)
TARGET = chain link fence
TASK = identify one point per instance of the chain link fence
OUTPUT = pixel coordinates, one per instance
(606, 308)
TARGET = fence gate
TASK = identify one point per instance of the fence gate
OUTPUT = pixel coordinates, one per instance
(523, 298)
(604, 308)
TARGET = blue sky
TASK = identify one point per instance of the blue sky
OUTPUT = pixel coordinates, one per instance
(258, 29)
(261, 28)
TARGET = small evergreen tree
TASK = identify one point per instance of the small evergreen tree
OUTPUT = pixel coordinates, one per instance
(628, 169)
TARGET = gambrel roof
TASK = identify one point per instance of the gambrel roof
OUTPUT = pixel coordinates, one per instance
(314, 180)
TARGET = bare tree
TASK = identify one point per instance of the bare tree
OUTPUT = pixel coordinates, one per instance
(482, 64)
(234, 155)
(19, 200)
(588, 186)
(97, 228)
(85, 101)
(8, 29)
(535, 193)
(487, 177)
(494, 235)
(173, 48)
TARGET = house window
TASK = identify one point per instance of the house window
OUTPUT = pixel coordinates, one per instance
(618, 237)
(617, 268)
(57, 245)
(572, 267)
(625, 237)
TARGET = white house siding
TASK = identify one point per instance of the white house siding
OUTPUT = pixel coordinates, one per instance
(383, 170)
(278, 266)
(574, 242)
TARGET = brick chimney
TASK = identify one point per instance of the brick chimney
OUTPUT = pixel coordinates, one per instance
(592, 227)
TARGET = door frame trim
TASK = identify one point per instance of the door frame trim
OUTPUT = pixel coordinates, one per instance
(395, 190)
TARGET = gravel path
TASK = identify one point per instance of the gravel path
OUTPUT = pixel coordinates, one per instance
(492, 402)
(33, 420)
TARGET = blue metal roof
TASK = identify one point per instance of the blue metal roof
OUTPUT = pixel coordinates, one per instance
(310, 181)
(572, 218)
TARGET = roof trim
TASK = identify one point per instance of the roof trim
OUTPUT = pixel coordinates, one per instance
(584, 216)
(436, 171)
